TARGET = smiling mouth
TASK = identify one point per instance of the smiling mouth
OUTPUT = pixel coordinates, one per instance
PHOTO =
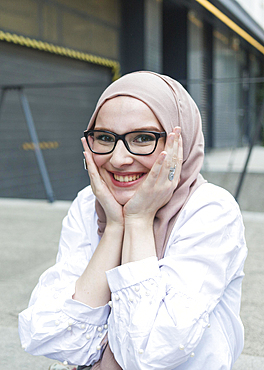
(127, 178)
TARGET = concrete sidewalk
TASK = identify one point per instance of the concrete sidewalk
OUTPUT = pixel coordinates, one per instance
(223, 167)
(233, 160)
(29, 235)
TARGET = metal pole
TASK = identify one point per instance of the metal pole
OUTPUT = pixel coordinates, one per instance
(3, 91)
(253, 140)
(34, 138)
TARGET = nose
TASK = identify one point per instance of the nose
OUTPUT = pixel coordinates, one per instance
(121, 156)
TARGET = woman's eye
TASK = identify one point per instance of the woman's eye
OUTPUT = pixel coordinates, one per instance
(143, 138)
(105, 138)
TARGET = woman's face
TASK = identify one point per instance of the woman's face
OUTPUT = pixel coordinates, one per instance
(122, 171)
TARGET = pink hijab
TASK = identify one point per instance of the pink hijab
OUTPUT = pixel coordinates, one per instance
(173, 106)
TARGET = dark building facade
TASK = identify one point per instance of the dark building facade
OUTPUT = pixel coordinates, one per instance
(59, 55)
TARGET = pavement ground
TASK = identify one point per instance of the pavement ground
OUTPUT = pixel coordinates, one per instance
(224, 168)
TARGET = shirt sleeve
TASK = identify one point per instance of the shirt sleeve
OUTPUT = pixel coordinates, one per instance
(161, 309)
(55, 325)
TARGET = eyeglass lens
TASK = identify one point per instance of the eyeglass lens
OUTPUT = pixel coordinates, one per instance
(137, 141)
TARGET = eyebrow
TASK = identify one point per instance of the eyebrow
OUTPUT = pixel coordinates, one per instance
(148, 128)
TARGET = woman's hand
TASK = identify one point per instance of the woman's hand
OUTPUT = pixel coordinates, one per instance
(92, 287)
(113, 210)
(157, 189)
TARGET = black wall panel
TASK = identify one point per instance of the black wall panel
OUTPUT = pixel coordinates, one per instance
(175, 40)
(60, 115)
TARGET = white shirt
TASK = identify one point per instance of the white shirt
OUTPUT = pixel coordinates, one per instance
(181, 312)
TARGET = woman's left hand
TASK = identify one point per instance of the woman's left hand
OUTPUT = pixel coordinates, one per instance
(157, 189)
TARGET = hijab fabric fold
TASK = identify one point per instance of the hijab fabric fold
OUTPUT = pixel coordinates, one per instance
(173, 106)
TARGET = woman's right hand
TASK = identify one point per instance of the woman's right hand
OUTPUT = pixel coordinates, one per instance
(113, 210)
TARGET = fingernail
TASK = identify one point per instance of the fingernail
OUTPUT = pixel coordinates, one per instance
(163, 155)
(178, 130)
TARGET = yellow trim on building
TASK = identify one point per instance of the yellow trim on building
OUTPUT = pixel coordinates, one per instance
(60, 50)
(211, 8)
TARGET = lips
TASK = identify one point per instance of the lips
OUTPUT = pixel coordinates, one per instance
(127, 178)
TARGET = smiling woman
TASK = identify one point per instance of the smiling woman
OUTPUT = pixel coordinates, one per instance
(123, 171)
(150, 263)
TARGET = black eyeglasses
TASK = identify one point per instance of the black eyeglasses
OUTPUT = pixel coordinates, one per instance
(137, 142)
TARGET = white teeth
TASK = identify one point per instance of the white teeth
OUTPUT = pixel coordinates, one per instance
(126, 178)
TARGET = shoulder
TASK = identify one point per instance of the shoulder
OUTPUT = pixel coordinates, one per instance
(211, 219)
(211, 192)
(79, 229)
(85, 197)
(83, 206)
(210, 206)
(209, 196)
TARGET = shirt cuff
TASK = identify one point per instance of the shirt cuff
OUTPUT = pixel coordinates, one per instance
(81, 312)
(132, 273)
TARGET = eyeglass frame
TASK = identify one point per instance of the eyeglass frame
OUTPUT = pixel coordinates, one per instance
(158, 135)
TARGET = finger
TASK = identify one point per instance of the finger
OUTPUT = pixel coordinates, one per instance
(169, 147)
(170, 172)
(172, 147)
(175, 163)
(155, 170)
(84, 144)
(86, 149)
(88, 156)
(170, 161)
(95, 178)
(179, 161)
(177, 131)
(91, 167)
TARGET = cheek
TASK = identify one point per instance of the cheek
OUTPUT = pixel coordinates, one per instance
(100, 160)
(153, 157)
(149, 161)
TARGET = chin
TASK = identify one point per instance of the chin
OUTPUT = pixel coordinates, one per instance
(122, 199)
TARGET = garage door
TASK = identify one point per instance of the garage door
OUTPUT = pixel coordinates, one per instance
(60, 114)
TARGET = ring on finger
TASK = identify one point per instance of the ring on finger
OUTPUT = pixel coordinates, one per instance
(171, 173)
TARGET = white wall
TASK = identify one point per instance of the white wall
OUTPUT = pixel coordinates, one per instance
(255, 8)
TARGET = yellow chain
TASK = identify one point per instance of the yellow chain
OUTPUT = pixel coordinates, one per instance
(60, 50)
